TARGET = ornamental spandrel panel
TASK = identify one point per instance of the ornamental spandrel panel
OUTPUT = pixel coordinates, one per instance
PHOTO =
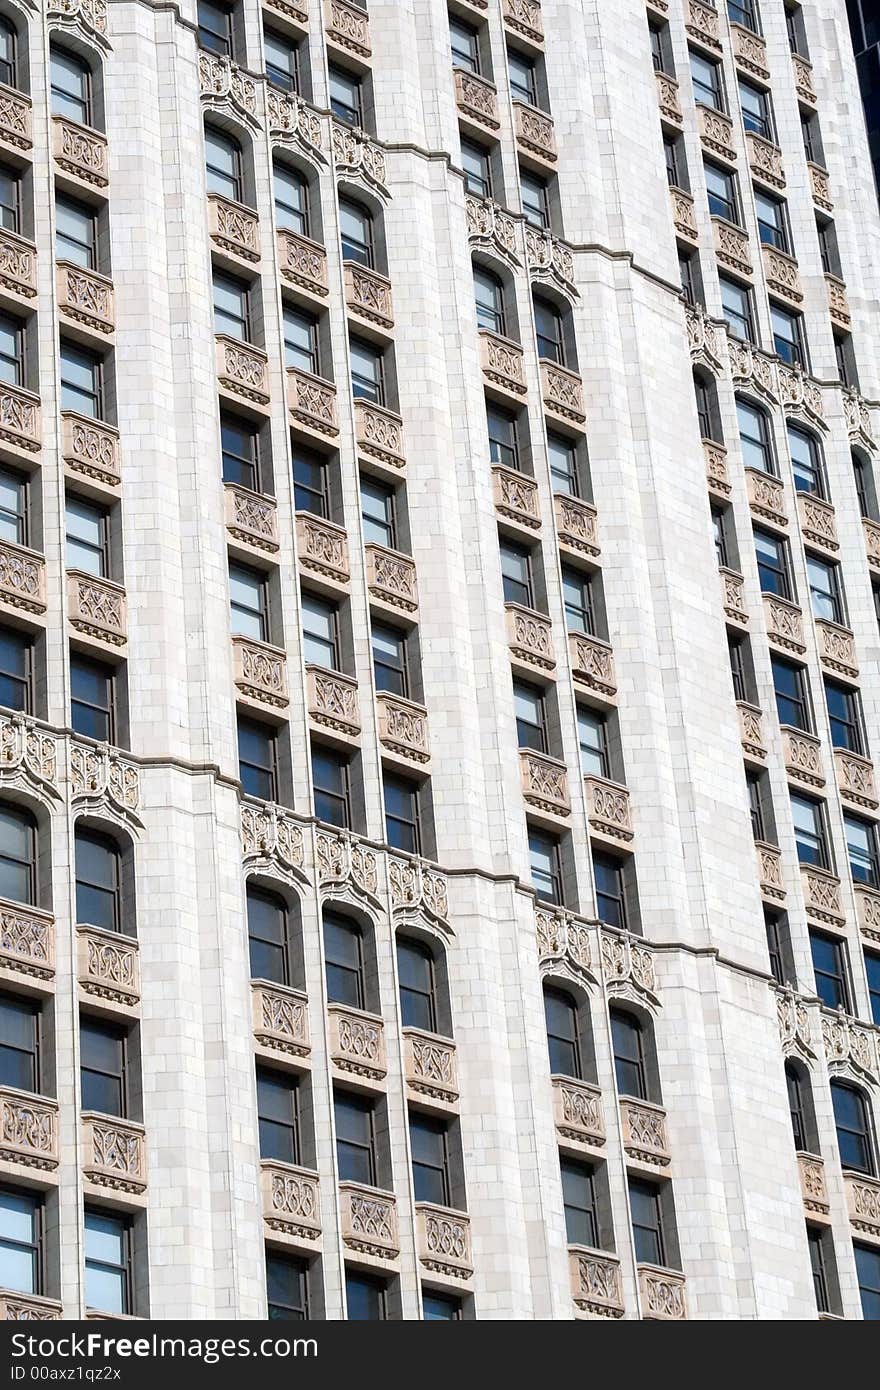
(716, 133)
(221, 81)
(751, 731)
(28, 1307)
(782, 274)
(662, 1293)
(417, 886)
(488, 224)
(530, 637)
(234, 228)
(683, 215)
(535, 134)
(28, 1130)
(312, 403)
(785, 624)
(595, 1282)
(114, 1155)
(868, 905)
(242, 371)
(820, 187)
(348, 27)
(20, 424)
(280, 1020)
(96, 609)
(332, 700)
(765, 160)
(22, 579)
(27, 943)
(369, 1222)
(476, 99)
(608, 810)
(770, 871)
(303, 263)
(344, 860)
(863, 1205)
(550, 258)
(592, 664)
(766, 496)
(837, 649)
(322, 548)
(822, 895)
(855, 779)
(90, 449)
(295, 11)
(96, 771)
(749, 51)
(403, 728)
(576, 525)
(251, 519)
(391, 579)
(803, 79)
(872, 543)
(644, 1132)
(355, 154)
(802, 756)
(545, 785)
(811, 1170)
(108, 969)
(357, 1043)
(85, 298)
(849, 1045)
(562, 392)
(701, 22)
(291, 1204)
(430, 1067)
(577, 1111)
(80, 151)
(818, 522)
(368, 296)
(838, 304)
(18, 265)
(627, 961)
(260, 672)
(731, 246)
(668, 98)
(524, 17)
(516, 498)
(379, 435)
(733, 596)
(443, 1236)
(15, 118)
(502, 363)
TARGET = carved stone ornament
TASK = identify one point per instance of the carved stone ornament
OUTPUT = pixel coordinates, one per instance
(358, 158)
(705, 339)
(628, 969)
(346, 868)
(106, 781)
(88, 16)
(418, 889)
(292, 121)
(849, 1047)
(566, 946)
(28, 756)
(489, 226)
(795, 1028)
(224, 84)
(272, 839)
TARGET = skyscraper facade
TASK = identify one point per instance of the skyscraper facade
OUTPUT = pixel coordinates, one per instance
(439, 661)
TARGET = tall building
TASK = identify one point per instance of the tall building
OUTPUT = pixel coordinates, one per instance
(864, 23)
(439, 591)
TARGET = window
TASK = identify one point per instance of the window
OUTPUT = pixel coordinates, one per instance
(611, 896)
(70, 86)
(20, 1241)
(291, 198)
(868, 1274)
(311, 491)
(248, 603)
(516, 574)
(872, 970)
(223, 165)
(579, 1204)
(240, 449)
(812, 138)
(531, 716)
(800, 1109)
(846, 361)
(489, 300)
(366, 1298)
(301, 344)
(465, 45)
(855, 1139)
(287, 1286)
(403, 828)
(278, 1116)
(331, 787)
(355, 1138)
(76, 233)
(788, 336)
(346, 97)
(689, 273)
(102, 1068)
(8, 72)
(861, 845)
(19, 1043)
(344, 960)
(723, 193)
(440, 1307)
(389, 660)
(865, 489)
(755, 438)
(830, 970)
(10, 199)
(367, 374)
(320, 632)
(826, 596)
(477, 166)
(564, 471)
(81, 381)
(627, 1041)
(546, 867)
(757, 112)
(828, 248)
(503, 436)
(108, 1262)
(708, 81)
(845, 717)
(741, 669)
(660, 56)
(356, 233)
(415, 973)
(13, 507)
(86, 539)
(549, 332)
(794, 24)
(737, 309)
(282, 60)
(818, 1266)
(744, 12)
(11, 350)
(721, 522)
(16, 670)
(523, 77)
(268, 937)
(257, 759)
(773, 228)
(792, 694)
(806, 459)
(778, 946)
(773, 567)
(563, 1042)
(810, 834)
(593, 742)
(215, 27)
(98, 888)
(577, 597)
(535, 199)
(707, 408)
(647, 1222)
(760, 806)
(92, 699)
(430, 1160)
(18, 856)
(676, 166)
(232, 307)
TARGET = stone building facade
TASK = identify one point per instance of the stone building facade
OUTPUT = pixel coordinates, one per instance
(439, 592)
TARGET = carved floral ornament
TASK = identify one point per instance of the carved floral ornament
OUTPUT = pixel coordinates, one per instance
(858, 419)
(291, 121)
(359, 159)
(105, 782)
(802, 396)
(28, 757)
(795, 1029)
(705, 339)
(490, 226)
(850, 1048)
(550, 259)
(347, 869)
(273, 839)
(628, 969)
(418, 890)
(88, 16)
(566, 946)
(754, 368)
(225, 86)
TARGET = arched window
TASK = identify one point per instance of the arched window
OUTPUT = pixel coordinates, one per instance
(223, 164)
(268, 936)
(18, 855)
(71, 87)
(563, 1041)
(755, 438)
(489, 299)
(344, 960)
(807, 461)
(357, 233)
(855, 1136)
(418, 985)
(800, 1105)
(629, 1044)
(8, 54)
(291, 194)
(550, 332)
(98, 880)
